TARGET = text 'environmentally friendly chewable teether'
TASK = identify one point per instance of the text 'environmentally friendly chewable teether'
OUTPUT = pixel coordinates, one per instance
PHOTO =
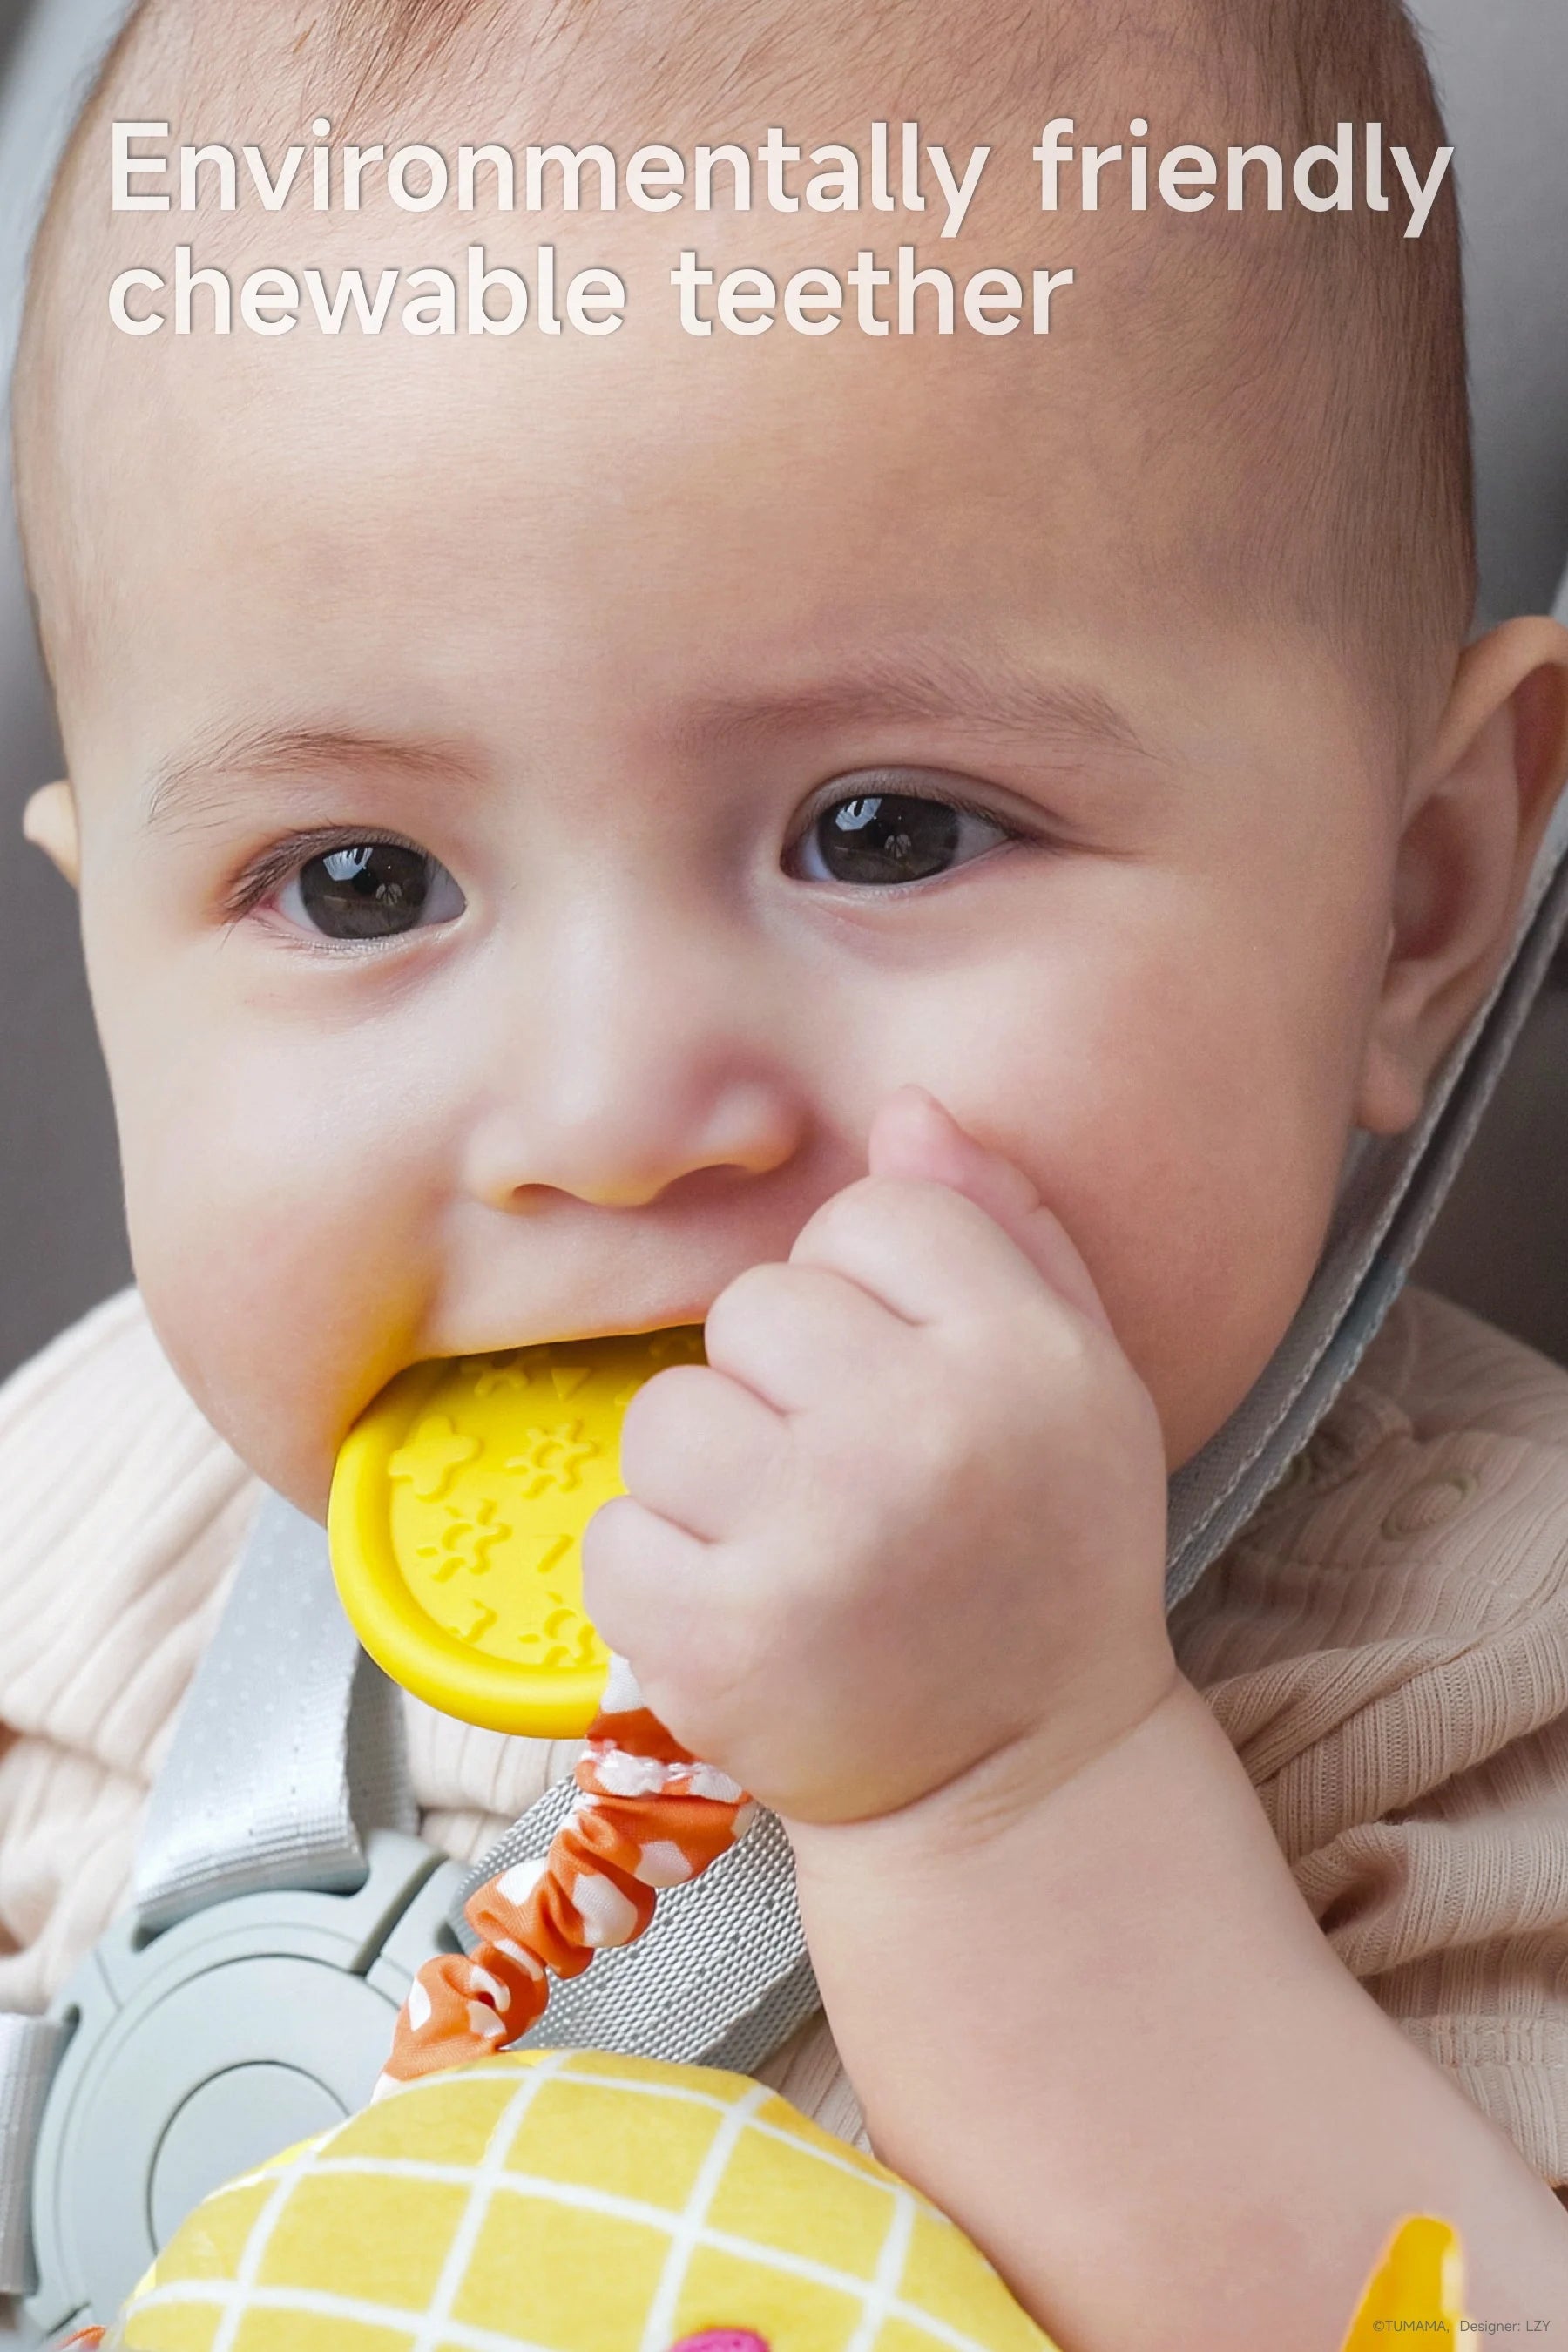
(456, 1518)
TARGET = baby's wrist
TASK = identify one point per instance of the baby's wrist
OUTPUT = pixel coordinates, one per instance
(998, 1800)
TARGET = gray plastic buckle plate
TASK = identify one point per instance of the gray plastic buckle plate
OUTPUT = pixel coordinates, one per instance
(196, 2056)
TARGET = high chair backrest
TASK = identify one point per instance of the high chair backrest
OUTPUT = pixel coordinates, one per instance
(1501, 1244)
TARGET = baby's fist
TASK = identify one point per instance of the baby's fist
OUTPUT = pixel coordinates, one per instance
(910, 1513)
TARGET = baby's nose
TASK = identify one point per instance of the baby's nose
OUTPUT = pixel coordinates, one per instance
(645, 1062)
(626, 1154)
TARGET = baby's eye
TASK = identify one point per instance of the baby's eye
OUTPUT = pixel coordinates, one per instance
(370, 890)
(880, 838)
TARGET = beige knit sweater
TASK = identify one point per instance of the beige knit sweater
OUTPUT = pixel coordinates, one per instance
(1386, 1646)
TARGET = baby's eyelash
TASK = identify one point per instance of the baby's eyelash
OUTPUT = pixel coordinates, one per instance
(891, 783)
(281, 860)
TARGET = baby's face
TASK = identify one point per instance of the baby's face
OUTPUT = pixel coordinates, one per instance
(540, 796)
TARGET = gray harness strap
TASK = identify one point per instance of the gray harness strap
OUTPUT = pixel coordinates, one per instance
(1393, 1191)
(288, 1748)
(721, 1979)
(28, 2049)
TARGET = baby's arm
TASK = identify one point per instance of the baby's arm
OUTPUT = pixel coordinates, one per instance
(895, 1560)
(1097, 2023)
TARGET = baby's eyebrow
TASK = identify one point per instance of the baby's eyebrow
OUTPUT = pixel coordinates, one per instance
(200, 782)
(1063, 716)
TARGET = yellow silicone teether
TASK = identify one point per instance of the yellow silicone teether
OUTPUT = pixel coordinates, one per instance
(456, 1518)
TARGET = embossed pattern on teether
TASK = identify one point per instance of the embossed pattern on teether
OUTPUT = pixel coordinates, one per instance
(468, 1484)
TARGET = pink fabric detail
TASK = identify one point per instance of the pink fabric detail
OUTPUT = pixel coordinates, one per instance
(723, 2339)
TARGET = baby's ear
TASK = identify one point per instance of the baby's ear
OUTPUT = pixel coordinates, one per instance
(1475, 813)
(49, 822)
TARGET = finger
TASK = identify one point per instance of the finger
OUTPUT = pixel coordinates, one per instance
(914, 1136)
(645, 1584)
(924, 1250)
(787, 1331)
(700, 1449)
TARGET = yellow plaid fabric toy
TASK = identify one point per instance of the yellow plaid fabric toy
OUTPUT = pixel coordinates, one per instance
(573, 2201)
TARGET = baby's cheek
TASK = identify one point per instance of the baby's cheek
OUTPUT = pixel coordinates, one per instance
(1189, 1127)
(285, 1270)
(1207, 1305)
(1225, 1207)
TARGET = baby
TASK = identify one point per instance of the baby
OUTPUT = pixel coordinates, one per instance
(920, 852)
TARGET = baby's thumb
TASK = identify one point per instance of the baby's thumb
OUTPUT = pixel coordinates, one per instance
(913, 1136)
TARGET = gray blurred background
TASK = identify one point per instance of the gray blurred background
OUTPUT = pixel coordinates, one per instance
(1502, 1243)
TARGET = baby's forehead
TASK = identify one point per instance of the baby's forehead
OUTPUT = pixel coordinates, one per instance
(1204, 337)
(386, 73)
(267, 80)
(339, 491)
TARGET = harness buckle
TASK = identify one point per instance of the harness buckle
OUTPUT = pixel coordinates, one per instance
(197, 2055)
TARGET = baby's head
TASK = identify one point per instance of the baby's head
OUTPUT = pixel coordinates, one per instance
(538, 795)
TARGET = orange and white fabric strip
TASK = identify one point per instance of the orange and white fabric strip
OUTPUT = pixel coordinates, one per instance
(648, 1814)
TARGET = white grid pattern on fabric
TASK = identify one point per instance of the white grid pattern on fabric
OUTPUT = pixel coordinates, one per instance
(433, 2330)
(256, 2246)
(687, 2236)
(487, 2176)
(883, 2298)
(316, 2302)
(626, 2086)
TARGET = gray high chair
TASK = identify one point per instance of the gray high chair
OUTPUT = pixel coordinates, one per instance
(281, 1899)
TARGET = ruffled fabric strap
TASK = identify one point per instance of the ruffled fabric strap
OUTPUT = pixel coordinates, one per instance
(648, 1814)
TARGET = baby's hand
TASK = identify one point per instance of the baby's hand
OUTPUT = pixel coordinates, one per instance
(910, 1514)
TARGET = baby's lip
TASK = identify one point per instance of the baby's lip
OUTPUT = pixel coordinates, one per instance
(587, 1334)
(580, 1335)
